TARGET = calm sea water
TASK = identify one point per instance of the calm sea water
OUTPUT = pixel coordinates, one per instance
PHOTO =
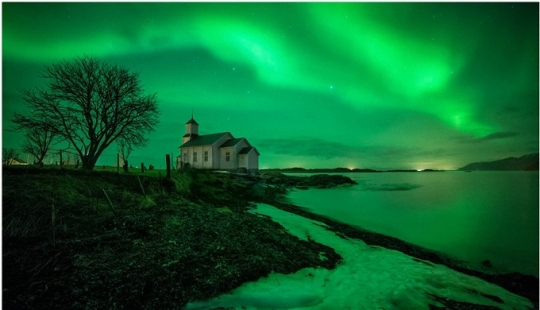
(472, 216)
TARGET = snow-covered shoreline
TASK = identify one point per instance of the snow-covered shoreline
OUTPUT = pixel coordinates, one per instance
(368, 278)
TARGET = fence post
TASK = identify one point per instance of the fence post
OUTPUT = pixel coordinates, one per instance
(61, 163)
(142, 167)
(168, 160)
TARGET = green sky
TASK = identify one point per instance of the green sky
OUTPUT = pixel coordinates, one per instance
(366, 85)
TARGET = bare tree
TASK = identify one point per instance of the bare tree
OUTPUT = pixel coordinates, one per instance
(127, 145)
(9, 155)
(37, 143)
(90, 104)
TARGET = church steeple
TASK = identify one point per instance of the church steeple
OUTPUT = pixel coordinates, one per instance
(192, 129)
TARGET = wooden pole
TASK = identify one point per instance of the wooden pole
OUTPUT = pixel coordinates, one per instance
(168, 160)
(118, 163)
(110, 202)
(142, 188)
(61, 163)
(161, 184)
(142, 167)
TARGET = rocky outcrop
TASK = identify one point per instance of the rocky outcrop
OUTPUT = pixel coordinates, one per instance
(305, 182)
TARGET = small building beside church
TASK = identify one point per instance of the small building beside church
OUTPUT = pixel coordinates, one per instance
(216, 151)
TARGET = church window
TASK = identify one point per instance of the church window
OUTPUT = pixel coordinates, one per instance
(228, 156)
(194, 156)
(205, 155)
(185, 157)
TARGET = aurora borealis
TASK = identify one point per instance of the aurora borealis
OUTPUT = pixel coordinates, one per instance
(365, 85)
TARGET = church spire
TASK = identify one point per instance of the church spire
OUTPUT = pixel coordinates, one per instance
(192, 120)
(192, 129)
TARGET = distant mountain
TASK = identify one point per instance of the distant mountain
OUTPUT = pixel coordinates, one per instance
(526, 162)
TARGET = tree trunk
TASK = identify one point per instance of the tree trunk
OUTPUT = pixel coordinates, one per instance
(88, 162)
(40, 160)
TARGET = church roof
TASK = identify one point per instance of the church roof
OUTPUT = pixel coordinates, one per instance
(247, 150)
(204, 139)
(192, 121)
(231, 142)
(192, 135)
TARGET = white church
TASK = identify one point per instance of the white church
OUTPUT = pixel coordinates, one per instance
(217, 151)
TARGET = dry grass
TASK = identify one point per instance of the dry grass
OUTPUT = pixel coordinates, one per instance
(188, 238)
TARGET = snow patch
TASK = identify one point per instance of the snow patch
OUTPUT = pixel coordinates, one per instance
(368, 278)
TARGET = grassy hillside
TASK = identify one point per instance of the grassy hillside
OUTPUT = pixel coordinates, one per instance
(75, 239)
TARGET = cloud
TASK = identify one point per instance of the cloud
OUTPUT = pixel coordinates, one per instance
(494, 136)
(331, 149)
(309, 147)
(499, 135)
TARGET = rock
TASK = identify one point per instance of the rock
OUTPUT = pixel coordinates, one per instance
(487, 263)
(317, 180)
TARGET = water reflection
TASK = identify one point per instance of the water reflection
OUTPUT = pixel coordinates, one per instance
(472, 216)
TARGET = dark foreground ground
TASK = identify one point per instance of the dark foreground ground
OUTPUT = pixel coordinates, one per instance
(101, 240)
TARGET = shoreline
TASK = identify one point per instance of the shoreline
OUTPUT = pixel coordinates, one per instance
(515, 282)
(159, 242)
(369, 277)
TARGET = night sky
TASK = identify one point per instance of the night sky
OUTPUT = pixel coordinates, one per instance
(365, 85)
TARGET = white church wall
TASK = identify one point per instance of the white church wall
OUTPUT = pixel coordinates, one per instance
(242, 161)
(253, 160)
(206, 157)
(228, 159)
